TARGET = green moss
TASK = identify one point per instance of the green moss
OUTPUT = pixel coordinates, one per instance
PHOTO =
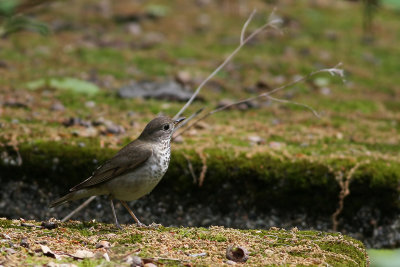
(217, 237)
(93, 263)
(130, 239)
(263, 180)
(53, 161)
(338, 246)
(352, 252)
(8, 224)
(199, 233)
(100, 56)
(85, 228)
(32, 261)
(152, 66)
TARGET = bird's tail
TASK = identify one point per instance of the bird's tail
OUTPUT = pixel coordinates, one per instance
(62, 200)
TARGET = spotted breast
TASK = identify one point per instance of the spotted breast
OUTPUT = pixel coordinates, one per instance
(160, 159)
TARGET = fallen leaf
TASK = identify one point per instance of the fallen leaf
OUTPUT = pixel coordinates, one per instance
(47, 252)
(133, 260)
(6, 236)
(106, 257)
(49, 225)
(24, 243)
(82, 254)
(198, 255)
(103, 244)
(53, 264)
(9, 251)
(68, 84)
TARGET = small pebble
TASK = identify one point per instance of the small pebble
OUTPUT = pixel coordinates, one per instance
(134, 28)
(10, 251)
(90, 104)
(24, 243)
(57, 107)
(81, 144)
(256, 140)
(183, 77)
(49, 225)
(83, 254)
(103, 244)
(178, 139)
(133, 260)
(275, 145)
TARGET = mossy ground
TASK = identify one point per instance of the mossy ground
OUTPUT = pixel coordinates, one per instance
(174, 246)
(360, 117)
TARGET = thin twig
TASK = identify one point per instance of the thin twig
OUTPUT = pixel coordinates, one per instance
(190, 167)
(241, 44)
(296, 103)
(168, 259)
(242, 34)
(333, 71)
(187, 120)
(194, 123)
(344, 183)
(198, 254)
(203, 168)
(83, 205)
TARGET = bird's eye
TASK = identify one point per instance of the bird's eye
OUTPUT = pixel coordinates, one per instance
(166, 127)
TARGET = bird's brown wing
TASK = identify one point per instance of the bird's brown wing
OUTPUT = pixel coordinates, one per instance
(127, 159)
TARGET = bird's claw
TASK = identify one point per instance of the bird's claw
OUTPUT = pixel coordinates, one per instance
(139, 224)
(119, 226)
(154, 226)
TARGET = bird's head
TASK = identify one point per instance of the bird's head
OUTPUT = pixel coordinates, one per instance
(160, 128)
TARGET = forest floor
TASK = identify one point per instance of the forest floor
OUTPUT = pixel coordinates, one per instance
(94, 244)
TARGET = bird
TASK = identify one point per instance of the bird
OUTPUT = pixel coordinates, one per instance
(133, 172)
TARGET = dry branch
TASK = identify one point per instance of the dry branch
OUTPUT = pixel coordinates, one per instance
(335, 71)
(344, 183)
(203, 168)
(272, 24)
(83, 205)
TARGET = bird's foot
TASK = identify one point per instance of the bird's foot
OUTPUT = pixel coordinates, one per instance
(154, 225)
(119, 226)
(150, 226)
(139, 224)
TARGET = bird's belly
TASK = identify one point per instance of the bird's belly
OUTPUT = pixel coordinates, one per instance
(132, 186)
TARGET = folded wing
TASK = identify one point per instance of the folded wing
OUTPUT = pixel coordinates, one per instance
(126, 160)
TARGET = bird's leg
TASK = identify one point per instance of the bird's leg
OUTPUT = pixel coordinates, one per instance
(115, 215)
(133, 215)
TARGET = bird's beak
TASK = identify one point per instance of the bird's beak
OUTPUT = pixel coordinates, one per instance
(176, 122)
